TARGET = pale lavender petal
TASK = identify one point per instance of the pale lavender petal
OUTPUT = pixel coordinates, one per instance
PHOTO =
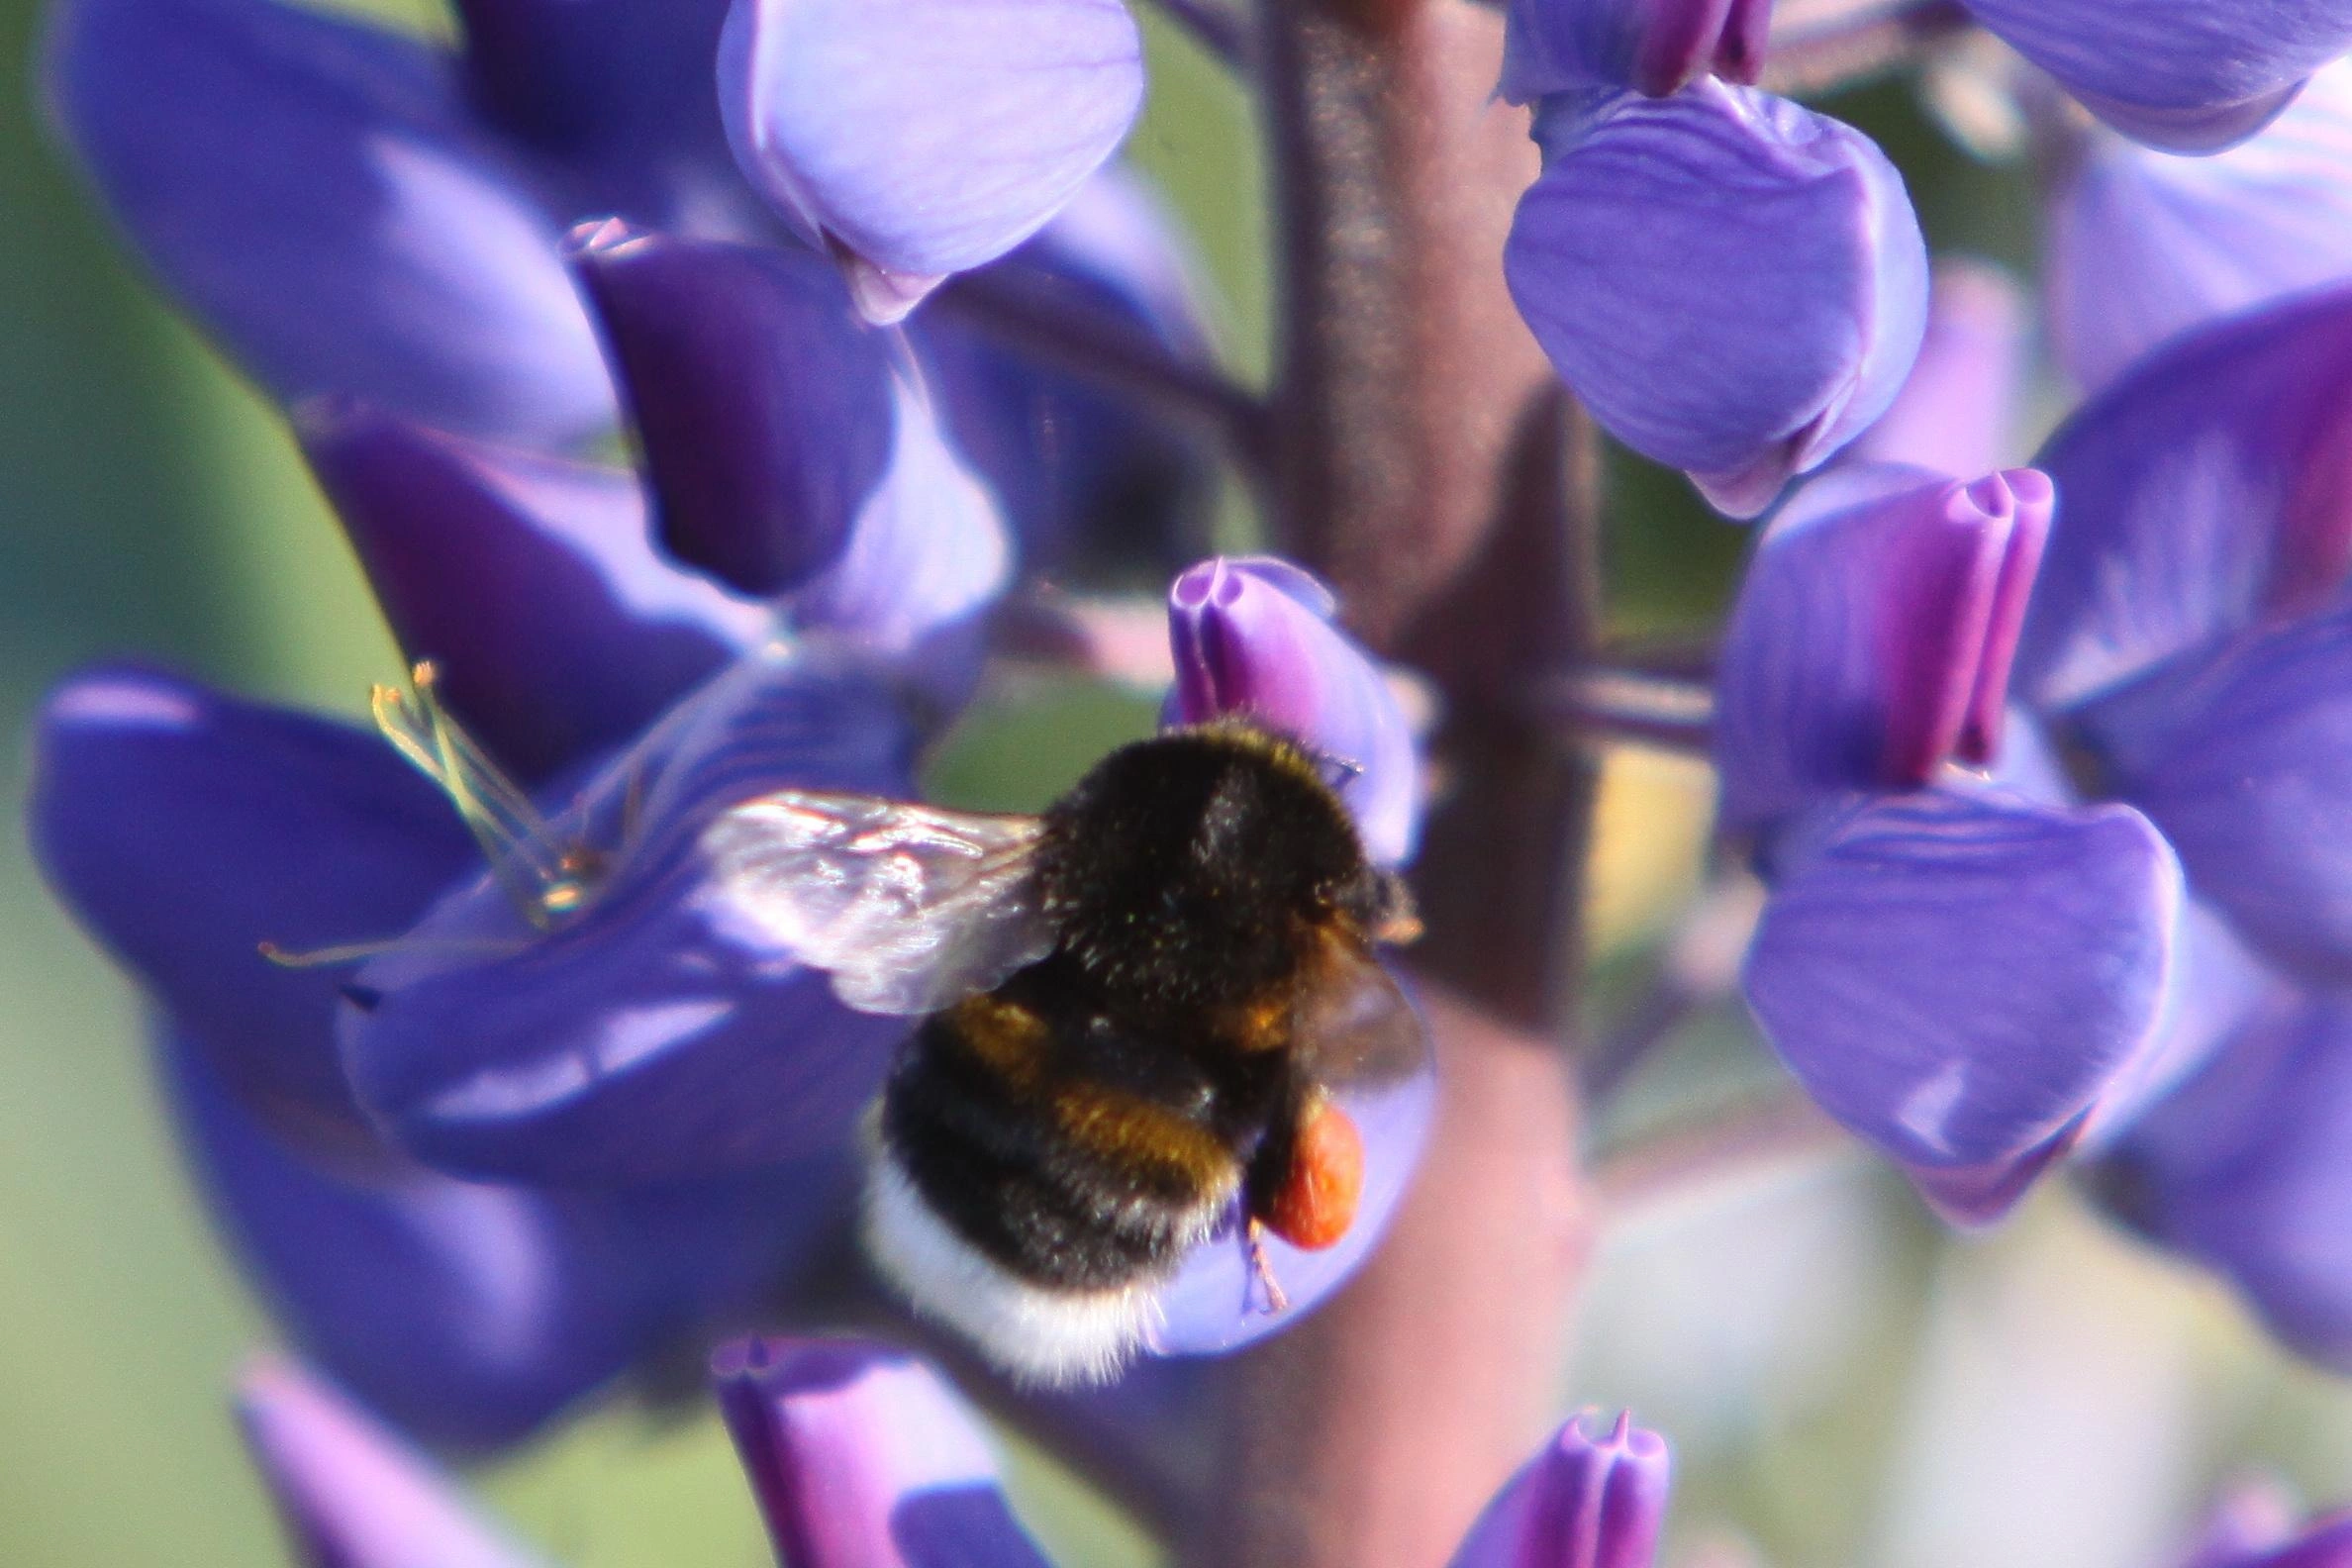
(1960, 979)
(920, 138)
(2205, 493)
(2144, 245)
(1870, 644)
(1589, 1500)
(2190, 77)
(1218, 1302)
(1958, 413)
(1653, 46)
(1253, 636)
(1734, 284)
(316, 195)
(352, 1494)
(861, 1457)
(2245, 762)
(531, 583)
(654, 1035)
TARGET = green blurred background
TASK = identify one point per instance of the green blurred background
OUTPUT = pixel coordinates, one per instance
(1845, 1384)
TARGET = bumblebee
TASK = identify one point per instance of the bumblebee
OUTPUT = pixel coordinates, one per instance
(1134, 1011)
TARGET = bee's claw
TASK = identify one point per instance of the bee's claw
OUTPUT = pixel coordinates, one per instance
(1276, 1302)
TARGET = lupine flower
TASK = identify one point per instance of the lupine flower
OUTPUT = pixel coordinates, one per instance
(860, 1458)
(411, 253)
(1959, 970)
(2144, 245)
(1735, 285)
(193, 833)
(1583, 1502)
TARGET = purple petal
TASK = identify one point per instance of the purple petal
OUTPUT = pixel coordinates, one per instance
(2205, 492)
(862, 1458)
(2243, 1170)
(1218, 1302)
(1870, 644)
(1735, 285)
(185, 830)
(2144, 245)
(1960, 979)
(763, 406)
(2245, 762)
(1653, 46)
(1253, 636)
(1957, 413)
(531, 583)
(654, 1036)
(2326, 1543)
(314, 192)
(2190, 78)
(2253, 1515)
(1585, 1501)
(352, 1494)
(920, 137)
(471, 1315)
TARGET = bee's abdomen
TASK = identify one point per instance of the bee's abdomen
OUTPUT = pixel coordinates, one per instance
(1060, 1179)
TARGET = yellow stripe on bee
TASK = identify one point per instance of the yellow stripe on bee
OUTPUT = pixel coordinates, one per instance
(1009, 1039)
(1127, 1130)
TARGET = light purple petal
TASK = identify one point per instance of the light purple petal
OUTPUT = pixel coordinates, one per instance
(531, 583)
(2243, 1170)
(2245, 762)
(1871, 640)
(1734, 284)
(1653, 46)
(1960, 979)
(2145, 246)
(1253, 636)
(2191, 77)
(1218, 1302)
(2253, 1514)
(2206, 492)
(1958, 413)
(861, 1457)
(763, 405)
(316, 193)
(352, 1494)
(1587, 1500)
(2327, 1543)
(922, 138)
(185, 830)
(654, 1035)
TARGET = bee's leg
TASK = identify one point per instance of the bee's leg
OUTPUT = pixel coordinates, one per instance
(1263, 1268)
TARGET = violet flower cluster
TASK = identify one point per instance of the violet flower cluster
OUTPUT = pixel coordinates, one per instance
(2045, 765)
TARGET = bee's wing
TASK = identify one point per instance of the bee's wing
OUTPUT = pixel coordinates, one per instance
(1352, 1023)
(909, 908)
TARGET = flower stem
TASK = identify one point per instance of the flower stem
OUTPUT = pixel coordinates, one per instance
(1635, 706)
(1430, 467)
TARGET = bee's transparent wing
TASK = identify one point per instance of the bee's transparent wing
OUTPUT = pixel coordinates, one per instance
(1352, 1023)
(909, 908)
